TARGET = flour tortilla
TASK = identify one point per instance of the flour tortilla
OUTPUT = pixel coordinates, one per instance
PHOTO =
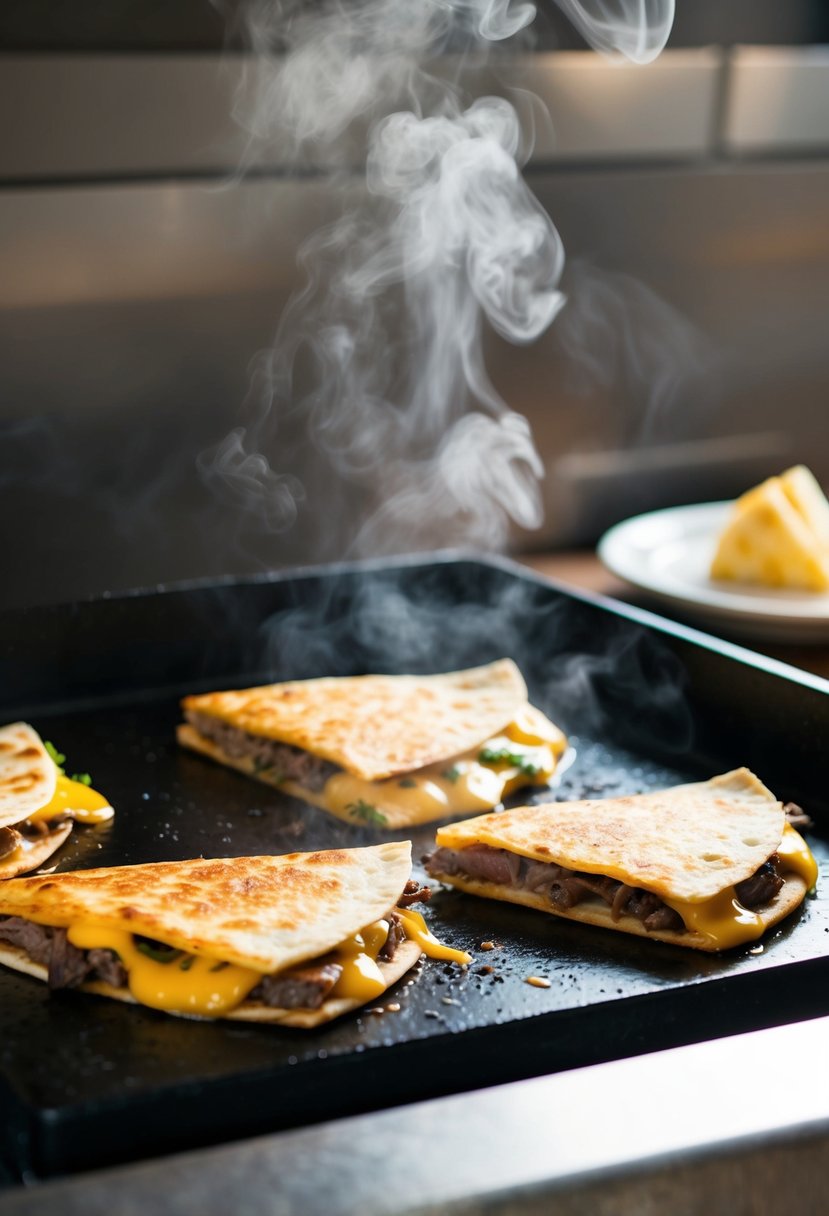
(684, 844)
(32, 852)
(377, 726)
(266, 913)
(28, 777)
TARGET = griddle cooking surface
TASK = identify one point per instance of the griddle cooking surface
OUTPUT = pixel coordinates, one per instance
(90, 1080)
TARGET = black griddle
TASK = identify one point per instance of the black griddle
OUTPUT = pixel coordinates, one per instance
(647, 703)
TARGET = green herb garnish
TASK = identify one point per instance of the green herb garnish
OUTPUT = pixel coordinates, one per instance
(57, 757)
(503, 755)
(157, 951)
(187, 962)
(452, 773)
(262, 766)
(219, 967)
(407, 783)
(366, 812)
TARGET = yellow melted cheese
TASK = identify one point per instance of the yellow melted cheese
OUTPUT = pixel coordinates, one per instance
(724, 920)
(460, 786)
(191, 983)
(207, 987)
(83, 803)
(418, 931)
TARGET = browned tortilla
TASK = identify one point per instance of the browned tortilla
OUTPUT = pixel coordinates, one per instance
(687, 845)
(377, 726)
(28, 775)
(265, 913)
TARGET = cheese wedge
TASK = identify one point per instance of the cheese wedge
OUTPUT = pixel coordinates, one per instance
(807, 498)
(769, 541)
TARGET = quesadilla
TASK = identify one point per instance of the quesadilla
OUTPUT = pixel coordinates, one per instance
(708, 865)
(387, 751)
(38, 802)
(297, 939)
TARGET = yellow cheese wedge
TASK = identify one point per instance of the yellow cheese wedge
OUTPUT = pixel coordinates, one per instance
(807, 498)
(767, 541)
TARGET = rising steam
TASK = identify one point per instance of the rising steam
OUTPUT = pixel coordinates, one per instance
(381, 351)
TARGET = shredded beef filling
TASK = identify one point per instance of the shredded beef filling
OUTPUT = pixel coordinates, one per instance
(67, 965)
(9, 842)
(301, 988)
(274, 760)
(565, 888)
(304, 987)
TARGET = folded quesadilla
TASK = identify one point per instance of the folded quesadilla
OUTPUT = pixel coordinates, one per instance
(708, 865)
(297, 939)
(388, 751)
(38, 802)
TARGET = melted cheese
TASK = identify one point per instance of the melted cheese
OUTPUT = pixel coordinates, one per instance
(190, 983)
(796, 856)
(418, 931)
(361, 978)
(459, 786)
(207, 987)
(724, 919)
(82, 802)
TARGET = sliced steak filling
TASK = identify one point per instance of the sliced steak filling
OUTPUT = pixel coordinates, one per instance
(271, 759)
(66, 964)
(300, 988)
(304, 987)
(565, 888)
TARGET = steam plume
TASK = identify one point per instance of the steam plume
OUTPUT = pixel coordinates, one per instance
(381, 350)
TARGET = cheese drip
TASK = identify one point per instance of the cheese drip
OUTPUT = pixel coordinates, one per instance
(80, 801)
(204, 986)
(724, 920)
(463, 785)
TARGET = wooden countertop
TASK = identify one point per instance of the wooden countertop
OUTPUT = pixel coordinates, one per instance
(583, 570)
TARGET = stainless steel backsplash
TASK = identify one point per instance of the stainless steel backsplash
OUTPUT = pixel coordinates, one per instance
(139, 278)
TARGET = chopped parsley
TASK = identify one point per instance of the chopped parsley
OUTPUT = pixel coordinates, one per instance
(219, 966)
(366, 812)
(503, 755)
(262, 766)
(187, 962)
(452, 773)
(58, 759)
(407, 783)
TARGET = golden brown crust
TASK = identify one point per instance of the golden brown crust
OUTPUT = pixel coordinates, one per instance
(377, 726)
(597, 912)
(27, 773)
(405, 957)
(267, 913)
(686, 843)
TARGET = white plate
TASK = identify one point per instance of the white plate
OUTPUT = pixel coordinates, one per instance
(668, 554)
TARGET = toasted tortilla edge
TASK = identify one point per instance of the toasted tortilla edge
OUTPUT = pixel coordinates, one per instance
(591, 912)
